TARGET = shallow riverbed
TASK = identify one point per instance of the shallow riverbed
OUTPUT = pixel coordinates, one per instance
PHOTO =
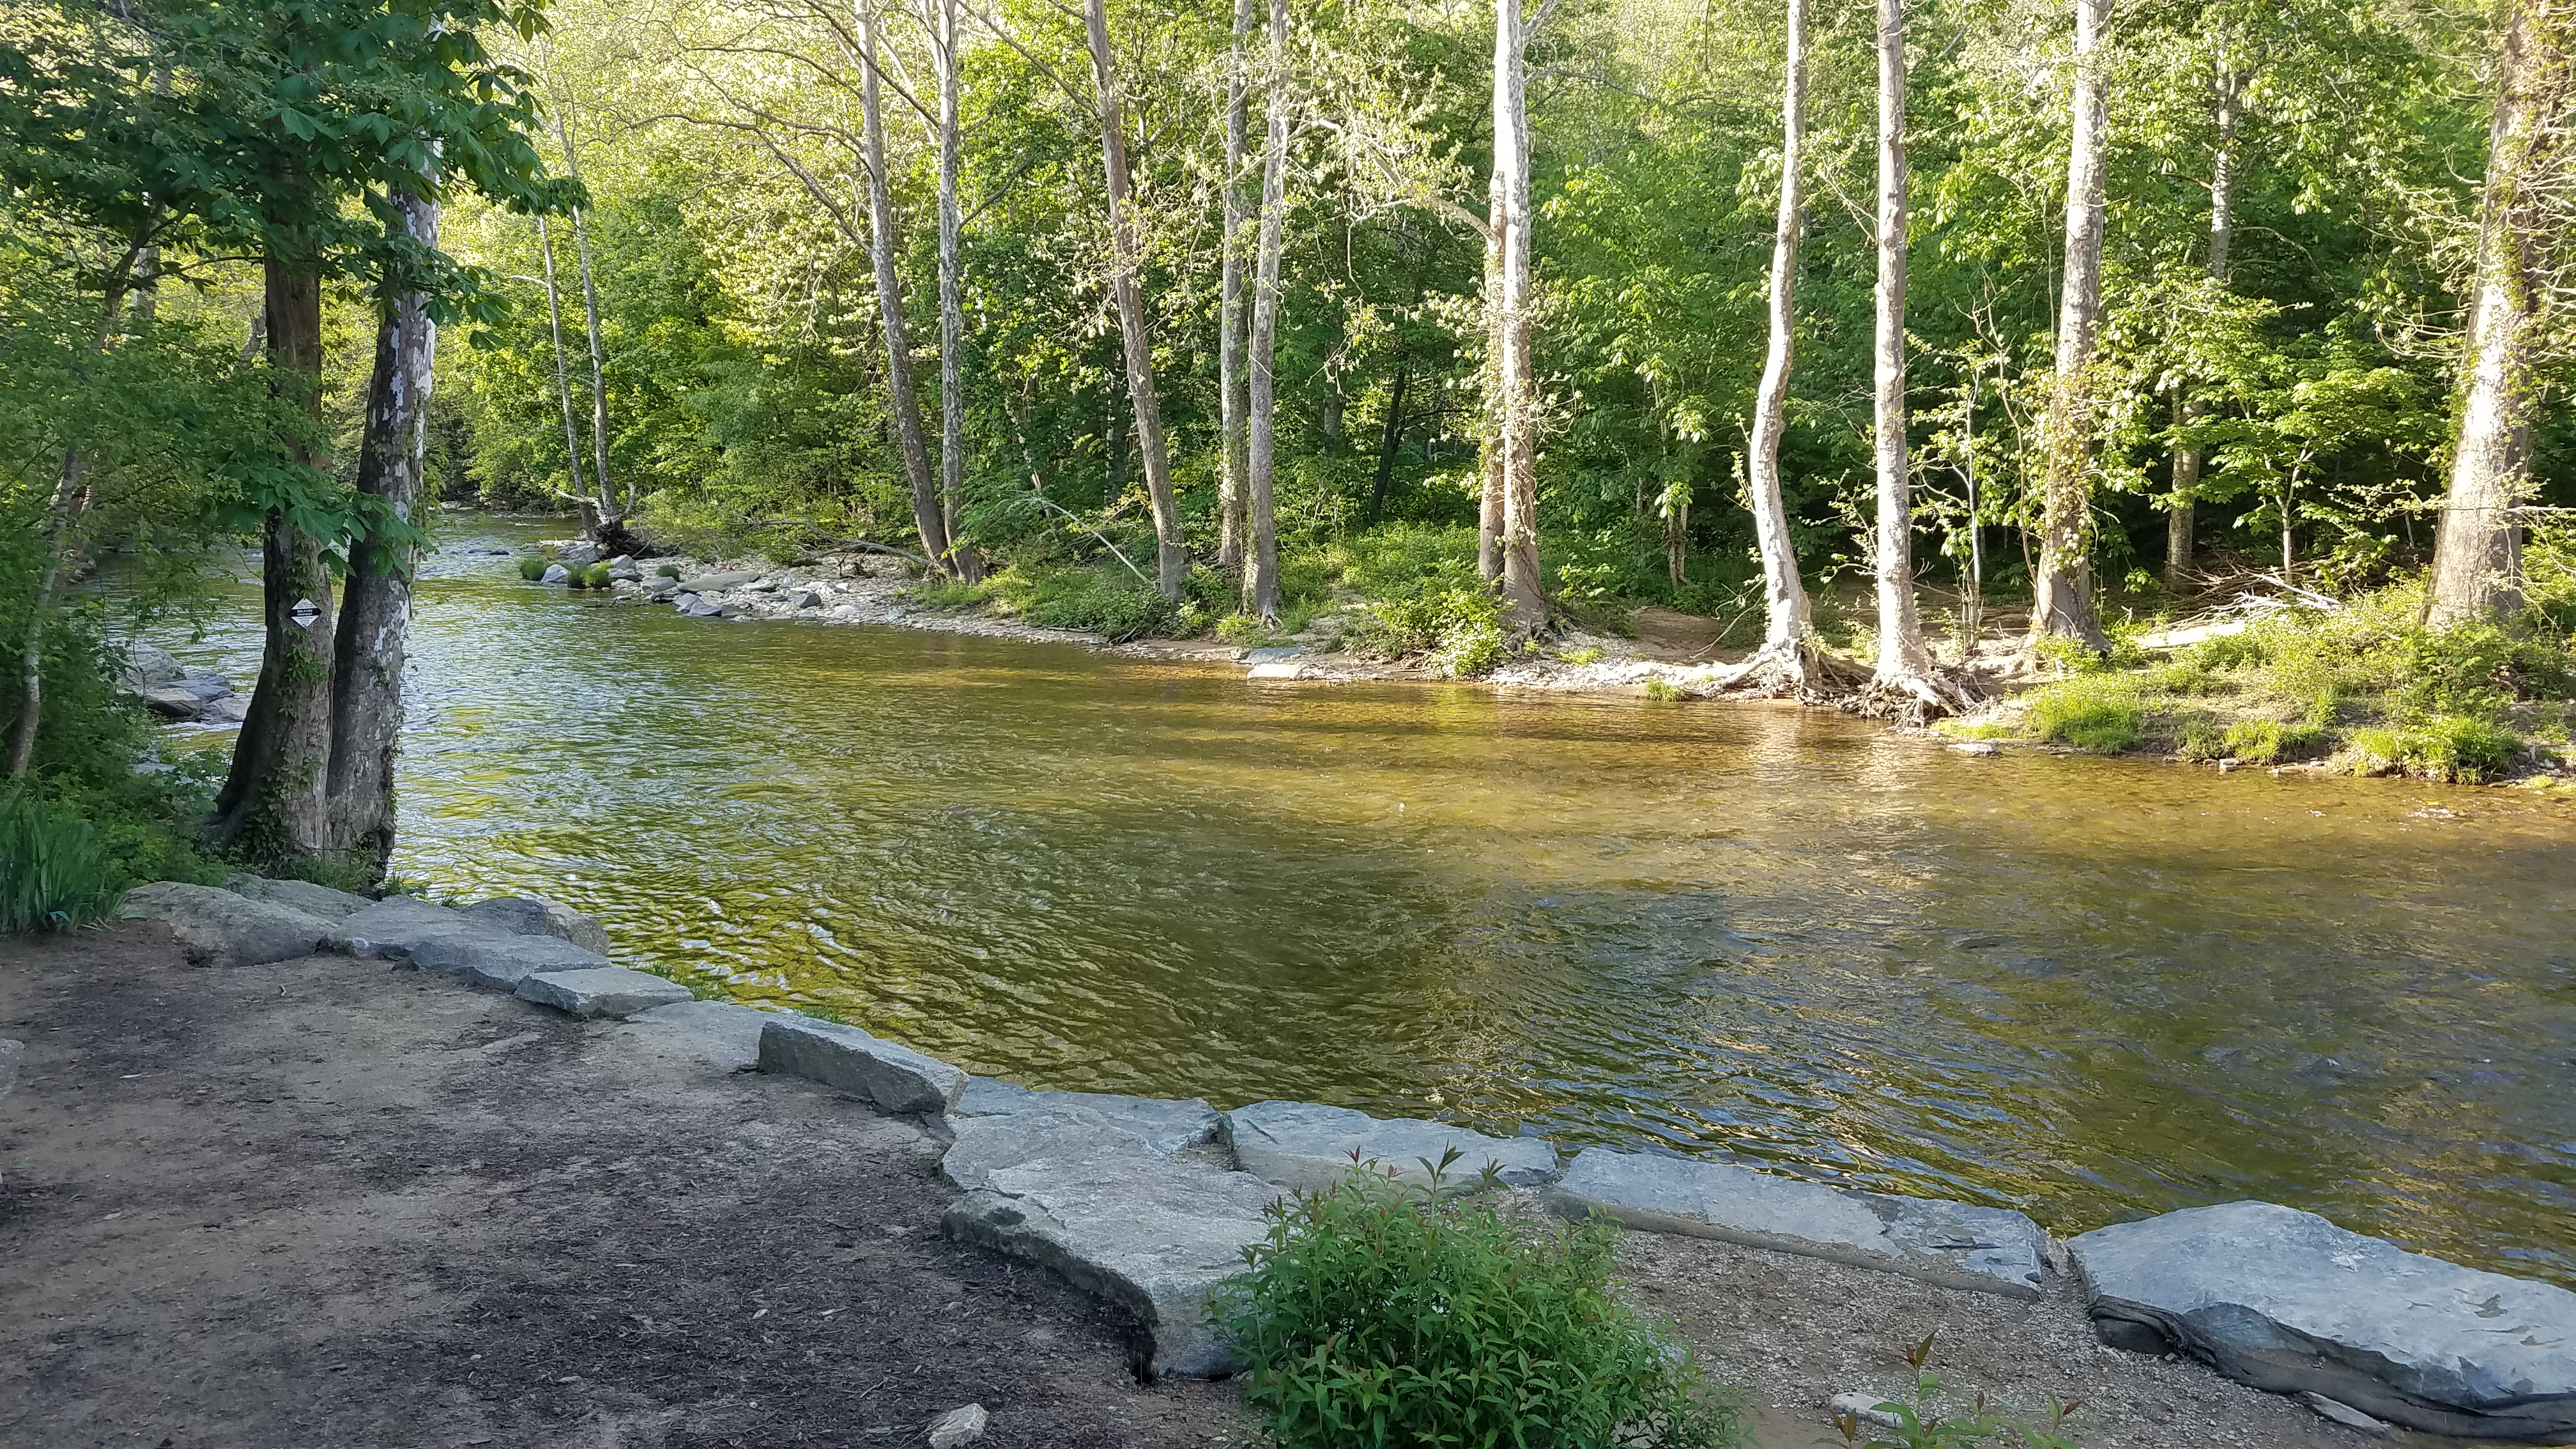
(2088, 988)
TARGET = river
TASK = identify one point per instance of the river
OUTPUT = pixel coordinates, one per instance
(2091, 989)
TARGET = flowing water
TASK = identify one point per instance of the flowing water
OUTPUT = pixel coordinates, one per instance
(2090, 989)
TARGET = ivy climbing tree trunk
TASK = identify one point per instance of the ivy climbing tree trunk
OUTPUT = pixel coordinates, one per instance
(928, 516)
(1229, 320)
(964, 561)
(1782, 659)
(2477, 555)
(2062, 603)
(375, 614)
(1172, 555)
(1515, 386)
(273, 810)
(1261, 576)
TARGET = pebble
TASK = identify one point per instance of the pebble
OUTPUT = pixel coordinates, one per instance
(961, 1425)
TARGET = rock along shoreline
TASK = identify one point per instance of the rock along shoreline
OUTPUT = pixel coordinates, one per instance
(1149, 1203)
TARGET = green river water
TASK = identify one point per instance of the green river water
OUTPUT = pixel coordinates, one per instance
(2091, 989)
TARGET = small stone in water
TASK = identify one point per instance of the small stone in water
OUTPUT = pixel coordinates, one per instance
(961, 1425)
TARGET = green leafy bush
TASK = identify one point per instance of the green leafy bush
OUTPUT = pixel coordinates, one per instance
(666, 571)
(1377, 1314)
(2461, 751)
(595, 576)
(939, 593)
(533, 569)
(2091, 712)
(55, 871)
(2265, 742)
(1923, 1423)
(1113, 605)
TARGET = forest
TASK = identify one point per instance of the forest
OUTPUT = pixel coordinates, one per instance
(1922, 349)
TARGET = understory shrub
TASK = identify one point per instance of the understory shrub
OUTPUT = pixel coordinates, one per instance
(1378, 1314)
(1114, 605)
(533, 569)
(2091, 712)
(55, 871)
(2459, 750)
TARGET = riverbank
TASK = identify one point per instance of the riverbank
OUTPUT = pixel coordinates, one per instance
(316, 1200)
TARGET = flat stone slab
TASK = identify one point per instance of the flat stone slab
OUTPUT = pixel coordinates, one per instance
(726, 1035)
(2287, 1301)
(1151, 1236)
(396, 925)
(1304, 1145)
(990, 1144)
(303, 895)
(601, 991)
(892, 1078)
(1956, 1244)
(717, 583)
(499, 962)
(538, 916)
(217, 927)
(1169, 1125)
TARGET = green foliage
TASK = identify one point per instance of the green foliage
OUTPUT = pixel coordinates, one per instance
(1923, 1423)
(945, 593)
(55, 872)
(1102, 601)
(2091, 712)
(533, 569)
(1377, 1314)
(1588, 654)
(2459, 750)
(594, 577)
(666, 571)
(2265, 742)
(1661, 691)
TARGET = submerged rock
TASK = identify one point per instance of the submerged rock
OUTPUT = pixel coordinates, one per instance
(1955, 1244)
(2286, 1301)
(601, 991)
(219, 928)
(1305, 1145)
(1168, 1125)
(893, 1078)
(1153, 1237)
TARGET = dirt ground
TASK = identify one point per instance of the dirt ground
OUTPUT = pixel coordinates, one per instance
(326, 1203)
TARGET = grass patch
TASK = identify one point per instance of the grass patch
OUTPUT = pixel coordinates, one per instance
(56, 872)
(1378, 1314)
(533, 569)
(2101, 713)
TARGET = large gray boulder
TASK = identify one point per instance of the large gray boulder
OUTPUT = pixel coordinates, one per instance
(398, 925)
(538, 916)
(499, 962)
(171, 701)
(303, 895)
(1153, 1237)
(727, 1036)
(986, 1145)
(1169, 1125)
(718, 583)
(219, 928)
(601, 991)
(1956, 1244)
(147, 665)
(2287, 1301)
(892, 1078)
(1304, 1145)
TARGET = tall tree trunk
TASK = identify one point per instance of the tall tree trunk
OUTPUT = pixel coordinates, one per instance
(1261, 578)
(1516, 416)
(927, 514)
(1902, 659)
(964, 561)
(2179, 521)
(273, 809)
(1229, 343)
(2477, 556)
(69, 486)
(563, 386)
(1489, 458)
(1390, 442)
(1784, 593)
(375, 613)
(1172, 555)
(2062, 600)
(610, 531)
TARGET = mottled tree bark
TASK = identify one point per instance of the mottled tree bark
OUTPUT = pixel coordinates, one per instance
(1784, 593)
(1903, 662)
(2062, 602)
(1261, 576)
(563, 385)
(964, 561)
(1516, 411)
(1172, 555)
(273, 808)
(610, 529)
(928, 517)
(1229, 342)
(2477, 556)
(1489, 456)
(1390, 441)
(375, 613)
(2180, 517)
